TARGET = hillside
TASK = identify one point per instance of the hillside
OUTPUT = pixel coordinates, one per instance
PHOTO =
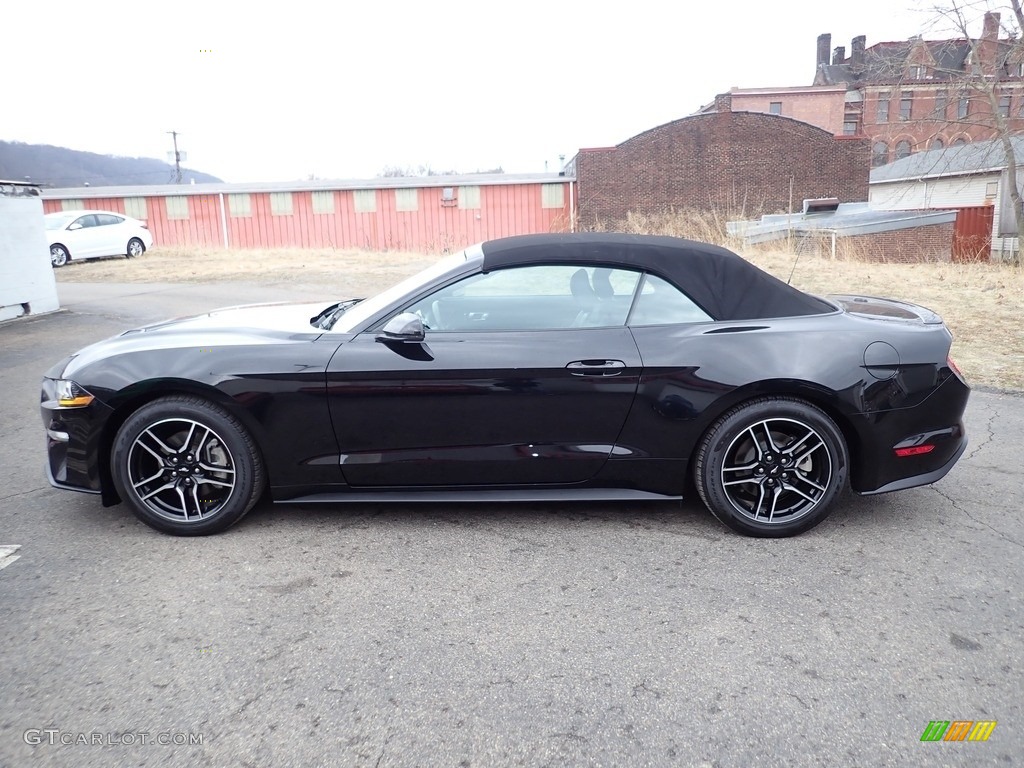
(60, 167)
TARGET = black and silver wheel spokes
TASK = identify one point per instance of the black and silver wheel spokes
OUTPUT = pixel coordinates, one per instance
(181, 469)
(776, 471)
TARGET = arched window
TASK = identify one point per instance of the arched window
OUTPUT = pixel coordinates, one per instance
(902, 149)
(937, 143)
(961, 142)
(879, 153)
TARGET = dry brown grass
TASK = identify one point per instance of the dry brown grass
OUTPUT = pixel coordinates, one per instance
(706, 226)
(983, 304)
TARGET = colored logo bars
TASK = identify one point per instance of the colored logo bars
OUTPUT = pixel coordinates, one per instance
(958, 730)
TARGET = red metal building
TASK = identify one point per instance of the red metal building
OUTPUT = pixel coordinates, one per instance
(430, 214)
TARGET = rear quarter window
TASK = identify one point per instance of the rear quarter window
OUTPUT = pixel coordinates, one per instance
(661, 303)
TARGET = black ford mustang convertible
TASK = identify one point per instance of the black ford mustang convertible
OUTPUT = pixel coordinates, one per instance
(547, 367)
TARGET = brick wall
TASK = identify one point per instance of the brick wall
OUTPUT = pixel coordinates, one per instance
(823, 108)
(931, 243)
(723, 160)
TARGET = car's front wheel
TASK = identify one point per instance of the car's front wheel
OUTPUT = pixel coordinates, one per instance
(135, 248)
(186, 466)
(59, 255)
(772, 467)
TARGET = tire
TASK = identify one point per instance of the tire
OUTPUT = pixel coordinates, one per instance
(772, 467)
(186, 466)
(59, 255)
(135, 248)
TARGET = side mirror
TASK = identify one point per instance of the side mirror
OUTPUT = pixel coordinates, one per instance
(405, 327)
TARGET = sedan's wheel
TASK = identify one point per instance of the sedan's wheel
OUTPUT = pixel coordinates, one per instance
(771, 467)
(186, 466)
(135, 248)
(59, 255)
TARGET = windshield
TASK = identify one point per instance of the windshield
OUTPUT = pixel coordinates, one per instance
(56, 222)
(364, 310)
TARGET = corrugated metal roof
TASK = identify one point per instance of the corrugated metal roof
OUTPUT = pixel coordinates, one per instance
(847, 220)
(390, 182)
(976, 157)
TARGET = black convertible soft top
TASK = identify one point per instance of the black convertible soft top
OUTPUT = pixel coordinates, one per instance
(725, 286)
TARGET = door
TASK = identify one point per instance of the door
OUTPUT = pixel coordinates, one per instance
(85, 238)
(112, 235)
(514, 384)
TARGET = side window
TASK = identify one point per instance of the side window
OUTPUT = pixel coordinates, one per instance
(661, 303)
(105, 219)
(84, 221)
(531, 298)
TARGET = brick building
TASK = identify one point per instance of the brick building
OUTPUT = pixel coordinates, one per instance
(724, 160)
(907, 96)
(820, 105)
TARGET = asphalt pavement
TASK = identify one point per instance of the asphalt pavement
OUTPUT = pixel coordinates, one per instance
(497, 635)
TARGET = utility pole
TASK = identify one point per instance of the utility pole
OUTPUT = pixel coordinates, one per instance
(177, 158)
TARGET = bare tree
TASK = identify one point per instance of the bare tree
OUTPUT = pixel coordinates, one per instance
(979, 76)
(992, 74)
(424, 169)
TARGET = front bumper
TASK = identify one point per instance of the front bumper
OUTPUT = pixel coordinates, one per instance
(73, 441)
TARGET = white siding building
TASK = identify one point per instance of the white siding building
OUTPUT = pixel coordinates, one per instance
(955, 177)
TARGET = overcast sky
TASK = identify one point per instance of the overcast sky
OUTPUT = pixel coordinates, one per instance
(264, 91)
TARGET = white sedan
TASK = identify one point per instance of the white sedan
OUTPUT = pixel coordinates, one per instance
(89, 234)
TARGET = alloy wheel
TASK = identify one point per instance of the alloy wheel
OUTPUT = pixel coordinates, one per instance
(181, 470)
(776, 471)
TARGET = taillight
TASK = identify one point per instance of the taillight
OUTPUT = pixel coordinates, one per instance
(915, 450)
(954, 367)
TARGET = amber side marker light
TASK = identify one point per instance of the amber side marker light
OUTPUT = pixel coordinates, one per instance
(914, 451)
(70, 395)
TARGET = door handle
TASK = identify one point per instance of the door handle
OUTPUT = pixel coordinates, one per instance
(596, 367)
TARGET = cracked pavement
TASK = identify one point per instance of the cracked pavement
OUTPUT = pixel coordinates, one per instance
(476, 635)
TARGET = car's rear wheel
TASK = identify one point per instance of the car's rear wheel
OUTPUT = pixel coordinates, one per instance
(59, 255)
(772, 467)
(186, 466)
(135, 248)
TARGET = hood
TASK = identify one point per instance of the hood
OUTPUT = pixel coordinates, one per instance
(249, 325)
(283, 317)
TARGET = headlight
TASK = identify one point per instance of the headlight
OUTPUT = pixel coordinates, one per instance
(71, 395)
